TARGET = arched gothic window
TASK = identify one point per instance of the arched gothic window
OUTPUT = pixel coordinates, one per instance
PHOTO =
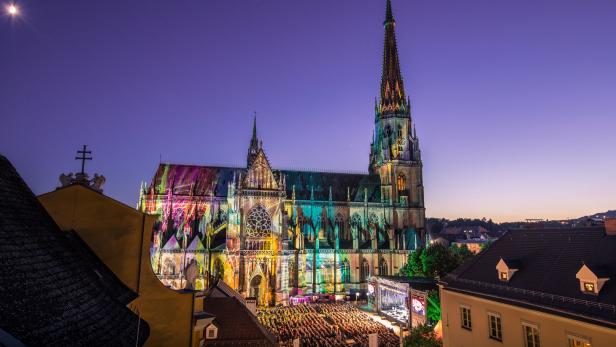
(259, 222)
(339, 222)
(356, 221)
(401, 182)
(373, 220)
(345, 270)
(365, 270)
(217, 270)
(383, 271)
(169, 268)
(399, 131)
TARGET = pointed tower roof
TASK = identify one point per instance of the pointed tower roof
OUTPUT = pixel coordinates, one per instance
(392, 86)
(254, 140)
(254, 143)
(259, 174)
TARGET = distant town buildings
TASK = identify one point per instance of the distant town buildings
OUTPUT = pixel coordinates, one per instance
(535, 287)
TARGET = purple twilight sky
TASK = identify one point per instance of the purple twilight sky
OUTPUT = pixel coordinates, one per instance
(514, 101)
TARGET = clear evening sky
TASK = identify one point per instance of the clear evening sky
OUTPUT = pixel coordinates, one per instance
(514, 101)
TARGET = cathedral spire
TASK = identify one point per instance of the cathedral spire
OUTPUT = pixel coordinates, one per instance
(254, 143)
(254, 140)
(392, 87)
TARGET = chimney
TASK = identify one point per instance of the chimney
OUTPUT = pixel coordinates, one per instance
(610, 226)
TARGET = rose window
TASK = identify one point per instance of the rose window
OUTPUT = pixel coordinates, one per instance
(259, 223)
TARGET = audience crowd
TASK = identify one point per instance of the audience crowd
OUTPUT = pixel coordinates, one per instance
(324, 324)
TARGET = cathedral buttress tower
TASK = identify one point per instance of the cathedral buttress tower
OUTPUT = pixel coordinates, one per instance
(394, 152)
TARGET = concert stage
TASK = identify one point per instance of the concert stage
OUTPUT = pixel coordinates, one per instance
(401, 299)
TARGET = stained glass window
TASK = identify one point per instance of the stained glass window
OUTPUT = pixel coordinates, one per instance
(259, 222)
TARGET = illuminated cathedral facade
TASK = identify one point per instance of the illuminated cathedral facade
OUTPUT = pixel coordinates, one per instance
(274, 234)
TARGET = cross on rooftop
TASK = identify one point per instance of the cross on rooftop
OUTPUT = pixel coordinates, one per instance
(84, 156)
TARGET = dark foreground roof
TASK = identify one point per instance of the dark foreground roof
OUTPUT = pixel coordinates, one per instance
(237, 326)
(52, 291)
(206, 180)
(547, 261)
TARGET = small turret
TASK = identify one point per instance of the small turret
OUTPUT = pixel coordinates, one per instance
(254, 143)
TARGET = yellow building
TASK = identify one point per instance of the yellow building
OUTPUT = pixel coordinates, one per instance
(121, 237)
(535, 288)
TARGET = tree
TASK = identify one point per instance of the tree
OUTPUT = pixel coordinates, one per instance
(422, 336)
(415, 263)
(413, 266)
(434, 306)
(462, 253)
(438, 260)
(486, 245)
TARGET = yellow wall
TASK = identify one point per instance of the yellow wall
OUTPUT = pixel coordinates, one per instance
(553, 330)
(120, 236)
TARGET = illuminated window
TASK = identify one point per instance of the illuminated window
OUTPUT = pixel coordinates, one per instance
(258, 223)
(589, 287)
(531, 335)
(576, 341)
(401, 182)
(504, 276)
(465, 313)
(495, 327)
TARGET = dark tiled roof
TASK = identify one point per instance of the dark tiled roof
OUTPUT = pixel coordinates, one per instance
(205, 180)
(548, 261)
(236, 325)
(319, 182)
(106, 278)
(51, 294)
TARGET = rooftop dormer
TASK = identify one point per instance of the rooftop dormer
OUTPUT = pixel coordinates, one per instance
(592, 278)
(211, 332)
(506, 268)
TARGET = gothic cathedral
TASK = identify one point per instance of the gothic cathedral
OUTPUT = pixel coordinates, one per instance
(276, 234)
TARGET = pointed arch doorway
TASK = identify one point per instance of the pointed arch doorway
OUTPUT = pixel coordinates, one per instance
(255, 287)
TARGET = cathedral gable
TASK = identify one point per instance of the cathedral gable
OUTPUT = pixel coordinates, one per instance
(260, 175)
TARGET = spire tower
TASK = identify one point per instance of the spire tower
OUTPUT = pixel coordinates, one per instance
(254, 143)
(392, 87)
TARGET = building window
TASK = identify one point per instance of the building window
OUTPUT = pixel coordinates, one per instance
(589, 287)
(504, 276)
(576, 341)
(531, 335)
(495, 327)
(346, 272)
(365, 270)
(401, 182)
(259, 222)
(383, 271)
(465, 313)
